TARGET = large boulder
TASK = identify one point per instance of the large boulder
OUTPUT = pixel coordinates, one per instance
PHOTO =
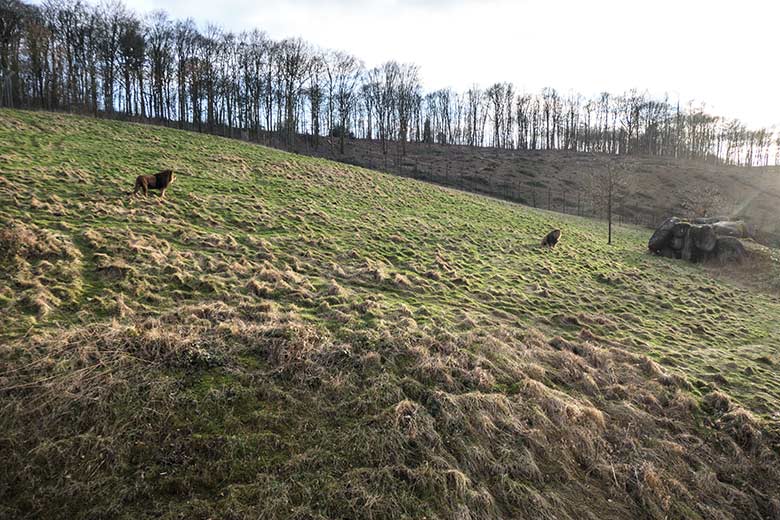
(680, 229)
(662, 235)
(704, 238)
(735, 228)
(708, 220)
(689, 252)
(730, 249)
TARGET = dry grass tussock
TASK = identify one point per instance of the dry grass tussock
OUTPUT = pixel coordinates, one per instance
(383, 273)
(589, 416)
(145, 272)
(577, 420)
(40, 271)
(484, 424)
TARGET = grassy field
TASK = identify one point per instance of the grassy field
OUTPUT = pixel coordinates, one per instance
(287, 337)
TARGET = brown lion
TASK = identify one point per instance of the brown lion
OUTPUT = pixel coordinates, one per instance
(158, 181)
(552, 238)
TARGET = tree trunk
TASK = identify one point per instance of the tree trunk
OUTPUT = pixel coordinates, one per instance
(609, 215)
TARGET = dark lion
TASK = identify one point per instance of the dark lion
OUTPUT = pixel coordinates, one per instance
(552, 238)
(158, 181)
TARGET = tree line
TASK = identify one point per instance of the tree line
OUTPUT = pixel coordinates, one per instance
(105, 59)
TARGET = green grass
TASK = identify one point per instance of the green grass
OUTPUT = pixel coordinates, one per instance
(283, 337)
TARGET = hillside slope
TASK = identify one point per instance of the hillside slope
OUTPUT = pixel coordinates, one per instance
(286, 337)
(559, 180)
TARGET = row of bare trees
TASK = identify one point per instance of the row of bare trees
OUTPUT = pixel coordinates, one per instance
(632, 123)
(68, 55)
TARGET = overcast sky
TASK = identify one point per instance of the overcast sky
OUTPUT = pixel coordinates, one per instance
(726, 53)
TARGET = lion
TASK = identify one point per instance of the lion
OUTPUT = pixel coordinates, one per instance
(552, 238)
(159, 181)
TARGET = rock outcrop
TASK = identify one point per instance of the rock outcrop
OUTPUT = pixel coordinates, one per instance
(699, 240)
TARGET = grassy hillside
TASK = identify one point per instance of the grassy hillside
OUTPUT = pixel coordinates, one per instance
(286, 337)
(558, 180)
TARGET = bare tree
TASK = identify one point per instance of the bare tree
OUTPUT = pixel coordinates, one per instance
(382, 90)
(294, 59)
(407, 99)
(12, 23)
(159, 36)
(607, 187)
(132, 55)
(475, 116)
(347, 71)
(495, 95)
(318, 65)
(703, 202)
(185, 39)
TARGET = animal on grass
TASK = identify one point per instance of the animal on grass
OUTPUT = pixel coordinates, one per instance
(159, 181)
(552, 238)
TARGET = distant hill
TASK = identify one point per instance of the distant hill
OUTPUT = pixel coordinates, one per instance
(290, 337)
(558, 180)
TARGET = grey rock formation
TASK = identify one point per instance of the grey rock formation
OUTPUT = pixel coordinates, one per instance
(662, 234)
(730, 229)
(705, 238)
(730, 249)
(700, 240)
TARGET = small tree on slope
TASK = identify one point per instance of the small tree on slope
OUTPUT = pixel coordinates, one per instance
(607, 187)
